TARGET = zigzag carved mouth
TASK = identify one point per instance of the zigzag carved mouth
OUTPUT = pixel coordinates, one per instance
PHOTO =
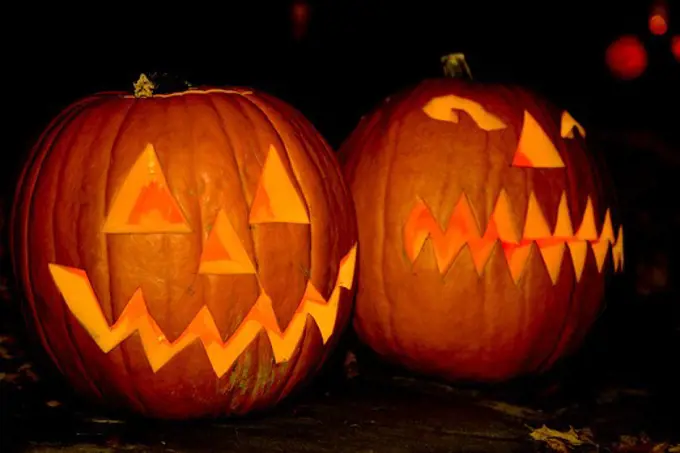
(79, 296)
(463, 230)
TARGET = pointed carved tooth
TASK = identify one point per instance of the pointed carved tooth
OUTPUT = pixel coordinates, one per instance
(579, 251)
(535, 226)
(346, 272)
(568, 124)
(419, 225)
(462, 229)
(607, 228)
(588, 231)
(517, 257)
(600, 251)
(502, 219)
(480, 249)
(601, 246)
(324, 313)
(552, 257)
(563, 226)
(617, 251)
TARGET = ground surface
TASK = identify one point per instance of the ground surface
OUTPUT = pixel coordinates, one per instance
(377, 410)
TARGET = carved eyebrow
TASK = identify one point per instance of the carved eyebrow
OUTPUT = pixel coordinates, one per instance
(442, 108)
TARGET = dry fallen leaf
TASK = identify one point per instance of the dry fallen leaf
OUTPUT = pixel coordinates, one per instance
(27, 371)
(572, 437)
(643, 444)
(557, 445)
(674, 448)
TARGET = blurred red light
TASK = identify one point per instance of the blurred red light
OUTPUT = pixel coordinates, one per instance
(299, 15)
(657, 24)
(626, 57)
(675, 46)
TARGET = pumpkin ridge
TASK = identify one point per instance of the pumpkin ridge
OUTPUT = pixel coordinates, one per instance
(296, 180)
(39, 152)
(76, 354)
(137, 398)
(290, 373)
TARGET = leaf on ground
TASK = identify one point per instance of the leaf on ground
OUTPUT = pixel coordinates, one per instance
(557, 445)
(642, 444)
(27, 370)
(573, 437)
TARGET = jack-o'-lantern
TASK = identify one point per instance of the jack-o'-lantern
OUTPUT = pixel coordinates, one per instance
(485, 229)
(184, 254)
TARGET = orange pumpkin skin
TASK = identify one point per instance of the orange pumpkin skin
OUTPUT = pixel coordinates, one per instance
(211, 146)
(471, 320)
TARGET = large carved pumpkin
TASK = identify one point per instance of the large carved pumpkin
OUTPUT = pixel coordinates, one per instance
(184, 254)
(485, 227)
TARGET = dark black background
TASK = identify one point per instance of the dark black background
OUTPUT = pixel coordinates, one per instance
(355, 53)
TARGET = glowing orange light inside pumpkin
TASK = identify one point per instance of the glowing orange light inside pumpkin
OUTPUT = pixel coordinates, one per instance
(626, 57)
(657, 24)
(675, 46)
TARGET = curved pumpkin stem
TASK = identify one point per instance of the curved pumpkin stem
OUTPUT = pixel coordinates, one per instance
(455, 66)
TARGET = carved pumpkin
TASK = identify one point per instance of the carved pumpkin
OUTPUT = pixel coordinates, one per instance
(485, 229)
(185, 254)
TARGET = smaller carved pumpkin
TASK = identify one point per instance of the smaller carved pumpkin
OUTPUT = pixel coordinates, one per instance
(486, 228)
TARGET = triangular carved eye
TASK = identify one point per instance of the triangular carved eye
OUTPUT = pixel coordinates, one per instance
(144, 203)
(223, 251)
(568, 124)
(276, 199)
(535, 149)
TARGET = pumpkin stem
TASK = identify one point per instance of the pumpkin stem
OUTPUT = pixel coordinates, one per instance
(455, 66)
(147, 86)
(143, 87)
